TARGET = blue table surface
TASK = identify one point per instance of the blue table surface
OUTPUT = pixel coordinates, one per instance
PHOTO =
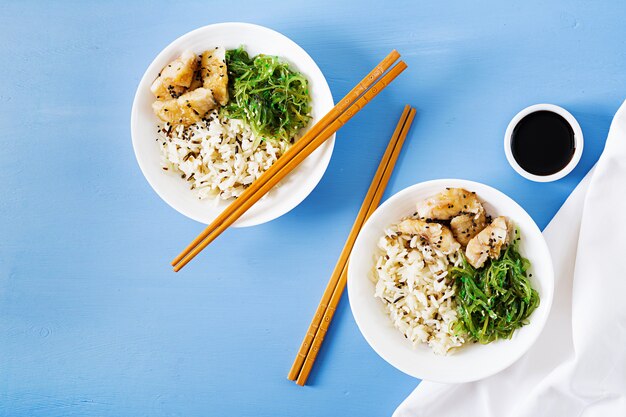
(92, 320)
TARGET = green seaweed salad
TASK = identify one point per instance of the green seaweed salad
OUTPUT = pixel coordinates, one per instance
(269, 96)
(495, 300)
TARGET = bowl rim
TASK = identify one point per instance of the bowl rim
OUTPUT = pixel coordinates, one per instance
(546, 296)
(579, 142)
(327, 148)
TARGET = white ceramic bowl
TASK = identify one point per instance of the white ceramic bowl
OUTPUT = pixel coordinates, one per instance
(256, 39)
(578, 142)
(473, 361)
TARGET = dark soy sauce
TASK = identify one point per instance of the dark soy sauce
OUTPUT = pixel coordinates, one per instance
(543, 143)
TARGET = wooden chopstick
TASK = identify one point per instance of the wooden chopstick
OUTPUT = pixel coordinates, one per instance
(338, 291)
(304, 141)
(216, 228)
(375, 193)
(345, 253)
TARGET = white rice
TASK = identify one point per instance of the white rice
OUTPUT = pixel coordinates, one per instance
(411, 280)
(218, 157)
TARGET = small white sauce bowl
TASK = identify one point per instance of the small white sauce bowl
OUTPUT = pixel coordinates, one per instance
(578, 142)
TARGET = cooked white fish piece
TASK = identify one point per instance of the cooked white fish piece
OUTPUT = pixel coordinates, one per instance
(187, 109)
(448, 204)
(196, 82)
(215, 74)
(435, 234)
(176, 77)
(488, 243)
(465, 226)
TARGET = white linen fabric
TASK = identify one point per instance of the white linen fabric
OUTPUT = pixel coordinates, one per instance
(577, 367)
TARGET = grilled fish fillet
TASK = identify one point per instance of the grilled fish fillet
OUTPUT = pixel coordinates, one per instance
(215, 74)
(176, 77)
(465, 226)
(448, 204)
(187, 109)
(488, 243)
(437, 235)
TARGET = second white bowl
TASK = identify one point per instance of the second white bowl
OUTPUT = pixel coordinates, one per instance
(471, 362)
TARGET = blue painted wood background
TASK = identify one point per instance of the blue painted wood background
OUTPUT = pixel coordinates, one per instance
(92, 320)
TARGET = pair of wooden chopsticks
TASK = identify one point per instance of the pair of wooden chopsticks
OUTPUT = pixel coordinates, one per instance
(351, 104)
(314, 337)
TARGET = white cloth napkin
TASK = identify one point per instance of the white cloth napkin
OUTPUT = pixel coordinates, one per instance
(577, 367)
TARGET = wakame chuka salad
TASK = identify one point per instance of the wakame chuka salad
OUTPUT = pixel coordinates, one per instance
(268, 95)
(496, 300)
